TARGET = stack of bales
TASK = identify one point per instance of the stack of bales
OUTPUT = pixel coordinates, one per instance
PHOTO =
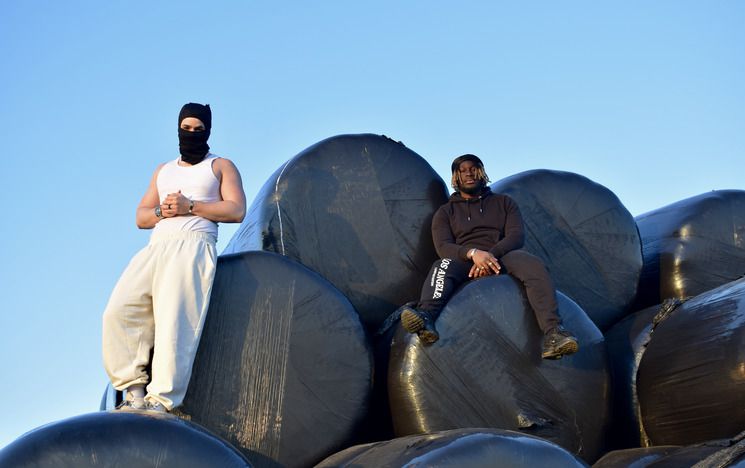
(302, 361)
(679, 366)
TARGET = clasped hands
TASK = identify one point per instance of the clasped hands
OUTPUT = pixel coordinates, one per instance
(175, 204)
(484, 264)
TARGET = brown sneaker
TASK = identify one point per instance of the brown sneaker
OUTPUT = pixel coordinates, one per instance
(558, 342)
(415, 321)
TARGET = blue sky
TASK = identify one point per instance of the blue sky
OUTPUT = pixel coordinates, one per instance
(645, 98)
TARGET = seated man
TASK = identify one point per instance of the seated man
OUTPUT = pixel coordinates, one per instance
(479, 233)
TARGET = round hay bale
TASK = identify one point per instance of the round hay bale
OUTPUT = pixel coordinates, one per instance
(110, 398)
(584, 234)
(692, 246)
(715, 453)
(635, 457)
(694, 456)
(691, 379)
(356, 209)
(120, 439)
(459, 447)
(626, 342)
(486, 371)
(379, 425)
(283, 368)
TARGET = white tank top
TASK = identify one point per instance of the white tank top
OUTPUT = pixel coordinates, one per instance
(197, 183)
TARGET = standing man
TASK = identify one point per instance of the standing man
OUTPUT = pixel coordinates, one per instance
(160, 302)
(478, 233)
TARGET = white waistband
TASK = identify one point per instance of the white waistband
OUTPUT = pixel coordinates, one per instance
(183, 235)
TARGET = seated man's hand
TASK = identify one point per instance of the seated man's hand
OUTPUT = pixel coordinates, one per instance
(477, 272)
(484, 263)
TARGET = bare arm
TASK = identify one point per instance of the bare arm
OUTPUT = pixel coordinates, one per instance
(145, 217)
(232, 207)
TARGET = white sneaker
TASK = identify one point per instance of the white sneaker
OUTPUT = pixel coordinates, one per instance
(155, 407)
(131, 403)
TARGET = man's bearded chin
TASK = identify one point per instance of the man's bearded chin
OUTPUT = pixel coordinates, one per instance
(475, 190)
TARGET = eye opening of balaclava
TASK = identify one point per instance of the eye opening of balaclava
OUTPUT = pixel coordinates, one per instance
(193, 145)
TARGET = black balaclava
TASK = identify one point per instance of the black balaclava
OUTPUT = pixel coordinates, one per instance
(193, 145)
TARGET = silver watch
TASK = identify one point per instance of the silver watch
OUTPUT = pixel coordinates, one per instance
(158, 213)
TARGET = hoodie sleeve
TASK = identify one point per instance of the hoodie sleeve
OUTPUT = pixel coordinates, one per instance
(442, 237)
(514, 234)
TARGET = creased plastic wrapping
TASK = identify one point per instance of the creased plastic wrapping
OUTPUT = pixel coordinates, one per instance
(635, 457)
(283, 368)
(357, 209)
(720, 453)
(691, 380)
(692, 246)
(584, 234)
(110, 398)
(486, 371)
(626, 343)
(461, 448)
(120, 439)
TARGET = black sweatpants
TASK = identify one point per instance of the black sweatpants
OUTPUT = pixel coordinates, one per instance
(447, 274)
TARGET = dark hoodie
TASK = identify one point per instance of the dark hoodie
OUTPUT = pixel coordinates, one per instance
(490, 222)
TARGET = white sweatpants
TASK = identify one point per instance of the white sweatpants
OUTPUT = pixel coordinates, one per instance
(159, 304)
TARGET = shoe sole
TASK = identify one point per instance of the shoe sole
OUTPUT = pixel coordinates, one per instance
(130, 409)
(567, 346)
(427, 337)
(156, 411)
(411, 322)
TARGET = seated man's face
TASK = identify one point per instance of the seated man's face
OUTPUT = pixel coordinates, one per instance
(192, 124)
(468, 177)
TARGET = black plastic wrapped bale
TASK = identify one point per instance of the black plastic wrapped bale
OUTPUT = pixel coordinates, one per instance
(110, 398)
(698, 456)
(711, 454)
(486, 371)
(692, 246)
(357, 209)
(463, 448)
(634, 457)
(120, 439)
(283, 367)
(584, 234)
(379, 425)
(691, 380)
(694, 457)
(626, 342)
(729, 453)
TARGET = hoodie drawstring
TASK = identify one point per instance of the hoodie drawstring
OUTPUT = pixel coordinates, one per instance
(481, 207)
(457, 198)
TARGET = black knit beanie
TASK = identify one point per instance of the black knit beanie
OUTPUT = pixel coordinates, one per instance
(466, 157)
